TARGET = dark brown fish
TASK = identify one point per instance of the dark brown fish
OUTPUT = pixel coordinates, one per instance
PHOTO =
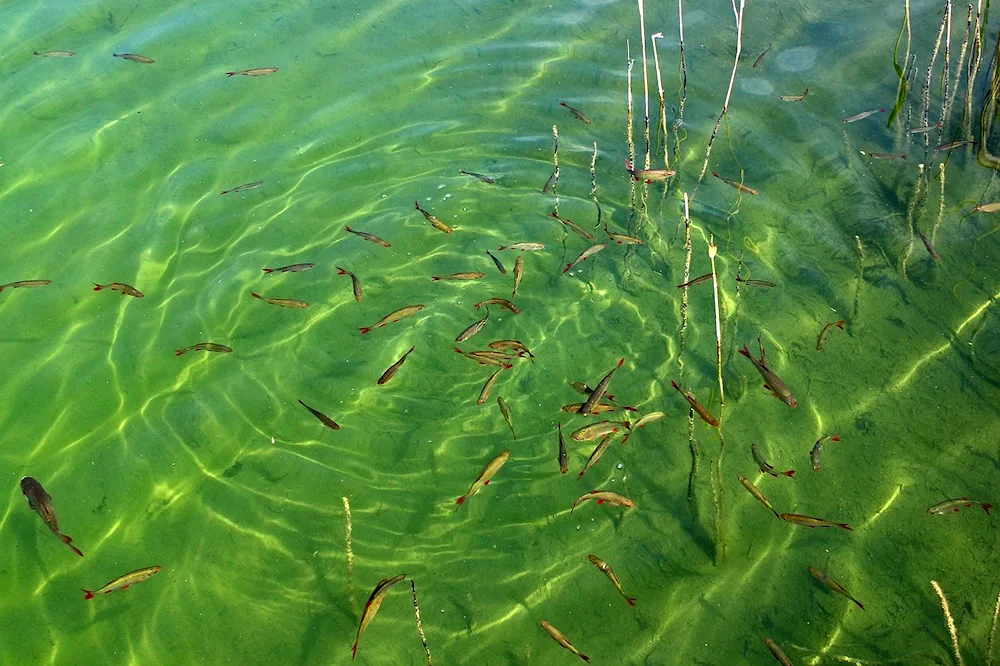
(580, 231)
(777, 652)
(886, 156)
(548, 184)
(502, 302)
(794, 98)
(755, 283)
(293, 268)
(697, 280)
(930, 246)
(515, 346)
(563, 456)
(435, 222)
(393, 317)
(576, 113)
(371, 238)
(473, 328)
(372, 605)
(773, 383)
(257, 71)
(324, 419)
(824, 578)
(134, 58)
(826, 329)
(562, 640)
(766, 467)
(355, 282)
(649, 175)
(489, 180)
(392, 369)
(41, 503)
(955, 144)
(127, 290)
(818, 447)
(809, 521)
(206, 346)
(602, 387)
(244, 188)
(281, 302)
(705, 415)
(760, 58)
(23, 284)
(499, 264)
(739, 186)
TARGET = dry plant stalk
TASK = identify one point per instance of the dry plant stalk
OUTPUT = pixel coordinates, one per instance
(420, 626)
(350, 557)
(950, 621)
(732, 81)
(684, 80)
(593, 185)
(555, 168)
(712, 251)
(645, 75)
(628, 99)
(950, 101)
(663, 106)
(687, 276)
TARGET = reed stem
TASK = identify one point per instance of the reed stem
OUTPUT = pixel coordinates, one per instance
(732, 81)
(555, 168)
(915, 202)
(645, 75)
(861, 275)
(593, 185)
(679, 120)
(659, 91)
(420, 627)
(628, 97)
(950, 621)
(350, 557)
(712, 251)
(946, 111)
(993, 631)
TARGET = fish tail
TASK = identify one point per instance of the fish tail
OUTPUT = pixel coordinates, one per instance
(987, 507)
(630, 600)
(179, 351)
(354, 650)
(835, 438)
(90, 595)
(568, 266)
(435, 278)
(562, 103)
(349, 229)
(417, 204)
(341, 270)
(268, 270)
(256, 295)
(840, 324)
(228, 74)
(365, 329)
(584, 657)
(97, 287)
(69, 542)
(674, 384)
(746, 352)
(790, 473)
(845, 526)
(860, 605)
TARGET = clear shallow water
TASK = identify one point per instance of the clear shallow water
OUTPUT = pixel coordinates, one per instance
(112, 171)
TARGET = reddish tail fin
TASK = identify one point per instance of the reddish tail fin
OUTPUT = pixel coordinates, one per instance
(69, 542)
(354, 650)
(562, 103)
(845, 526)
(568, 266)
(435, 278)
(365, 329)
(97, 287)
(228, 74)
(835, 438)
(630, 600)
(256, 295)
(179, 351)
(349, 229)
(790, 473)
(840, 324)
(460, 500)
(90, 595)
(987, 507)
(417, 204)
(340, 270)
(746, 352)
(268, 270)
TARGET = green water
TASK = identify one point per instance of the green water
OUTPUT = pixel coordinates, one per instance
(112, 171)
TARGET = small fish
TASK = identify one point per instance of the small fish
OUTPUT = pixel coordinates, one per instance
(955, 144)
(822, 577)
(563, 456)
(609, 572)
(124, 582)
(739, 186)
(794, 98)
(598, 409)
(705, 415)
(991, 207)
(518, 275)
(778, 654)
(393, 317)
(435, 222)
(586, 254)
(498, 263)
(697, 280)
(599, 429)
(826, 330)
(809, 521)
(548, 184)
(281, 302)
(885, 156)
(502, 302)
(293, 268)
(485, 476)
(818, 447)
(126, 290)
(245, 187)
(930, 246)
(473, 328)
(515, 346)
(489, 180)
(505, 410)
(760, 58)
(583, 233)
(472, 275)
(372, 605)
(602, 496)
(649, 175)
(55, 54)
(562, 640)
(41, 503)
(355, 282)
(392, 369)
(134, 58)
(756, 283)
(753, 490)
(206, 346)
(864, 114)
(524, 247)
(622, 239)
(774, 384)
(323, 418)
(484, 394)
(487, 358)
(595, 457)
(921, 130)
(648, 418)
(23, 284)
(955, 505)
(371, 238)
(576, 113)
(767, 468)
(257, 71)
(602, 387)
(583, 389)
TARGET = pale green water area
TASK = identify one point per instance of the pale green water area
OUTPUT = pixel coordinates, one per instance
(207, 465)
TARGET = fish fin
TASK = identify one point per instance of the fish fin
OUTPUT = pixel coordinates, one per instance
(365, 329)
(124, 587)
(845, 526)
(460, 500)
(630, 600)
(354, 650)
(835, 438)
(228, 74)
(584, 657)
(417, 204)
(860, 605)
(256, 295)
(340, 270)
(600, 501)
(69, 542)
(840, 324)
(349, 229)
(568, 266)
(987, 507)
(179, 351)
(90, 595)
(97, 287)
(486, 483)
(563, 104)
(790, 473)
(268, 270)
(746, 352)
(435, 278)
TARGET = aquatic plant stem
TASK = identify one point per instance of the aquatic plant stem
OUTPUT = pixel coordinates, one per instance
(925, 93)
(712, 251)
(350, 557)
(555, 168)
(993, 631)
(678, 121)
(593, 185)
(659, 92)
(687, 278)
(861, 275)
(420, 627)
(645, 75)
(950, 621)
(918, 191)
(732, 81)
(628, 102)
(950, 98)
